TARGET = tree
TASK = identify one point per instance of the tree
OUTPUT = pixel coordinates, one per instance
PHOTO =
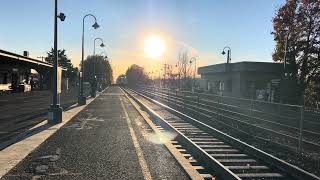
(297, 32)
(313, 93)
(184, 69)
(64, 62)
(98, 66)
(135, 75)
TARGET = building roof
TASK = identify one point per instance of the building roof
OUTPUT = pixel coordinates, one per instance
(10, 55)
(244, 66)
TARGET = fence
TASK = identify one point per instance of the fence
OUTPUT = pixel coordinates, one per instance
(298, 128)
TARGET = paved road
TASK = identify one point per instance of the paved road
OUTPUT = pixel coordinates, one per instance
(22, 110)
(107, 140)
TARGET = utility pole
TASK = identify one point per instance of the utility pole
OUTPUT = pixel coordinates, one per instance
(166, 69)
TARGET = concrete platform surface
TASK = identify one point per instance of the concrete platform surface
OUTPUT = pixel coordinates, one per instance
(107, 140)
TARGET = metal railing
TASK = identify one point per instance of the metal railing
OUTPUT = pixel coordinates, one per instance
(292, 120)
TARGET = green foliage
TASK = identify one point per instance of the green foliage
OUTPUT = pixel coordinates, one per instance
(97, 66)
(297, 25)
(313, 93)
(135, 75)
(64, 62)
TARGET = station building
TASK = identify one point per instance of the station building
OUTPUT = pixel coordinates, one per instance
(257, 80)
(16, 71)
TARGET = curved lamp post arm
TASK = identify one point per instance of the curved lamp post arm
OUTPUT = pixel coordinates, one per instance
(227, 47)
(94, 44)
(95, 25)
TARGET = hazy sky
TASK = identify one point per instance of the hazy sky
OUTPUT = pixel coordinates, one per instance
(203, 27)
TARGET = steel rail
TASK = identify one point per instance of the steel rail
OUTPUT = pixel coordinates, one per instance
(211, 163)
(292, 138)
(273, 161)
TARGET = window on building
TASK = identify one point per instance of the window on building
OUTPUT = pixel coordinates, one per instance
(221, 86)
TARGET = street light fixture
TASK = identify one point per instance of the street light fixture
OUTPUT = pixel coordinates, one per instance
(228, 53)
(82, 98)
(61, 16)
(95, 25)
(55, 115)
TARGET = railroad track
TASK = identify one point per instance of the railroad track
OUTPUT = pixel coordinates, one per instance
(212, 151)
(284, 117)
(238, 120)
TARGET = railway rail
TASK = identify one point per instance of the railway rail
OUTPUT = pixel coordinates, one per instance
(220, 154)
(275, 132)
(283, 114)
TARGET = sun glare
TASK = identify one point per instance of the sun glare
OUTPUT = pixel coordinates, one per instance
(154, 47)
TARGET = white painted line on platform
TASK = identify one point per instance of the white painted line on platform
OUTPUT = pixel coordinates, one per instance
(184, 163)
(142, 161)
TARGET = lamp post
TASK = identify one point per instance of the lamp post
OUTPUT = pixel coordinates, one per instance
(55, 115)
(94, 52)
(94, 79)
(82, 98)
(94, 44)
(228, 53)
(285, 53)
(194, 59)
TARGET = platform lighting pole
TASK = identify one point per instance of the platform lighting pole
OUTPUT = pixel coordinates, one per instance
(194, 59)
(94, 53)
(55, 115)
(82, 98)
(228, 53)
(285, 54)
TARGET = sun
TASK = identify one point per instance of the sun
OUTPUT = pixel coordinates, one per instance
(154, 47)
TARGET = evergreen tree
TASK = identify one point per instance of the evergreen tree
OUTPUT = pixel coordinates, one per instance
(64, 62)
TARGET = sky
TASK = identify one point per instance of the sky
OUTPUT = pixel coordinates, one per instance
(202, 27)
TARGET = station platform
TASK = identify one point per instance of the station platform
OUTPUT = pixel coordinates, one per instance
(108, 139)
